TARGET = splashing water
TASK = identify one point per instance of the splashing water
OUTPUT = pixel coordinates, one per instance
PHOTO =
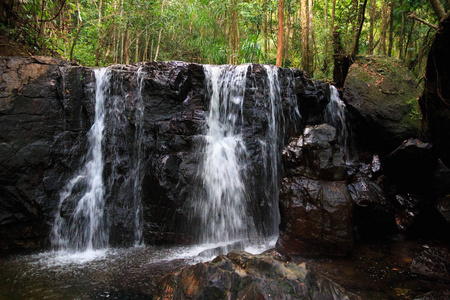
(335, 116)
(224, 211)
(85, 229)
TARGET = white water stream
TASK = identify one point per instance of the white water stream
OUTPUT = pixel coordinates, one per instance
(85, 228)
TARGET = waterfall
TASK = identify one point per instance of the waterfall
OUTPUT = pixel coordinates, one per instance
(335, 116)
(270, 150)
(240, 170)
(85, 227)
(111, 173)
(224, 213)
(138, 169)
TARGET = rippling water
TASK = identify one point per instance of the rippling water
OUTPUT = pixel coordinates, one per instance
(130, 273)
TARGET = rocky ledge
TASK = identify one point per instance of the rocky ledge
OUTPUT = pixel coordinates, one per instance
(240, 275)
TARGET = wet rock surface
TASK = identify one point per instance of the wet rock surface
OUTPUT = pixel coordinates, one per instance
(385, 270)
(240, 275)
(31, 119)
(416, 183)
(315, 204)
(433, 262)
(47, 108)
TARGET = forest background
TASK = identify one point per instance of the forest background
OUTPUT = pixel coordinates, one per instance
(313, 35)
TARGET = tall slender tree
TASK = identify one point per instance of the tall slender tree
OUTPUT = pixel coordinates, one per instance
(280, 41)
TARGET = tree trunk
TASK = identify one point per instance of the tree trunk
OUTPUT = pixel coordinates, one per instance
(280, 33)
(333, 14)
(373, 10)
(304, 15)
(358, 34)
(384, 25)
(125, 48)
(266, 36)
(325, 63)
(402, 34)
(136, 56)
(287, 38)
(438, 9)
(310, 38)
(391, 28)
(160, 32)
(409, 39)
(99, 32)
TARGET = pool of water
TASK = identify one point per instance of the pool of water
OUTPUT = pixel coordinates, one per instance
(130, 273)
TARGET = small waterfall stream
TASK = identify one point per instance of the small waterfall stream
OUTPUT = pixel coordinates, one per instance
(81, 218)
(224, 213)
(85, 228)
(335, 116)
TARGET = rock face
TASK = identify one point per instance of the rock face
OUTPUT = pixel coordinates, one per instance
(32, 119)
(435, 99)
(433, 263)
(155, 119)
(245, 276)
(381, 95)
(315, 205)
(417, 183)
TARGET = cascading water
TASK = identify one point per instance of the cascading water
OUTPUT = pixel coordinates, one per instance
(273, 142)
(81, 219)
(335, 116)
(241, 189)
(85, 228)
(224, 214)
(138, 169)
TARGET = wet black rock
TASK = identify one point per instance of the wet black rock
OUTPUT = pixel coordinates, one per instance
(373, 215)
(47, 108)
(443, 206)
(434, 263)
(415, 180)
(410, 166)
(315, 204)
(240, 275)
(31, 118)
(316, 154)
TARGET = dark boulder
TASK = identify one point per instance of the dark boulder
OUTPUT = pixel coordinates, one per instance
(316, 154)
(381, 96)
(315, 205)
(411, 166)
(415, 179)
(433, 262)
(435, 99)
(317, 218)
(443, 206)
(240, 275)
(373, 214)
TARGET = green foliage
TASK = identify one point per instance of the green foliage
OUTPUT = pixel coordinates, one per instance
(104, 32)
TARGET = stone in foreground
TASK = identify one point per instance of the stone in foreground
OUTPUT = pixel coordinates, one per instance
(240, 275)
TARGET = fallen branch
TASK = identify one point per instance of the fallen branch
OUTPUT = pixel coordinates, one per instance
(414, 17)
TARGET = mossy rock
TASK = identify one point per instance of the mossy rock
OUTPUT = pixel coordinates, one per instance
(382, 97)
